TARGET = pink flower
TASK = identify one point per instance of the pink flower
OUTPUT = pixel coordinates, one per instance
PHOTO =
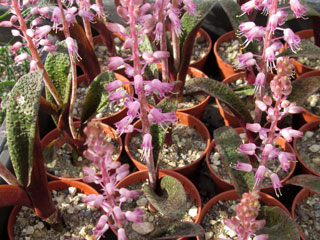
(122, 171)
(158, 87)
(268, 148)
(33, 65)
(6, 24)
(248, 149)
(253, 127)
(270, 57)
(159, 55)
(282, 16)
(190, 7)
(124, 125)
(122, 234)
(138, 84)
(276, 184)
(115, 62)
(246, 167)
(259, 174)
(118, 95)
(16, 46)
(44, 11)
(129, 194)
(285, 158)
(246, 60)
(292, 39)
(261, 237)
(147, 146)
(288, 133)
(298, 9)
(20, 58)
(133, 108)
(255, 33)
(91, 175)
(261, 105)
(72, 49)
(273, 22)
(56, 17)
(116, 27)
(135, 216)
(93, 200)
(246, 26)
(158, 32)
(123, 13)
(248, 6)
(101, 227)
(259, 83)
(173, 14)
(156, 116)
(113, 85)
(86, 15)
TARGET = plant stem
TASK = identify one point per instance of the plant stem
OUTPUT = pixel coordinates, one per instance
(87, 27)
(175, 42)
(267, 43)
(73, 72)
(34, 53)
(163, 46)
(141, 96)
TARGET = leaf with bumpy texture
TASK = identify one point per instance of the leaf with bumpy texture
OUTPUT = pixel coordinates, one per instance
(158, 137)
(303, 88)
(174, 203)
(311, 51)
(225, 94)
(178, 230)
(189, 28)
(22, 115)
(228, 142)
(58, 68)
(306, 181)
(279, 225)
(97, 98)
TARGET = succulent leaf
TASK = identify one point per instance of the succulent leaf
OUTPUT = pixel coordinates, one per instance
(306, 181)
(228, 142)
(22, 115)
(173, 203)
(178, 230)
(311, 51)
(158, 137)
(97, 97)
(279, 224)
(225, 94)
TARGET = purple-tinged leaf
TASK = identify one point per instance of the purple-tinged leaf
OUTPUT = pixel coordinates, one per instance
(307, 181)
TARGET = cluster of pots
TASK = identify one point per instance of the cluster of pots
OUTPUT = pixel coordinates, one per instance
(191, 117)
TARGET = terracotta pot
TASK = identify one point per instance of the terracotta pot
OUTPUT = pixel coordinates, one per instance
(229, 118)
(185, 119)
(299, 67)
(221, 185)
(113, 118)
(54, 185)
(200, 62)
(303, 167)
(306, 114)
(54, 134)
(232, 195)
(303, 194)
(141, 176)
(197, 110)
(226, 68)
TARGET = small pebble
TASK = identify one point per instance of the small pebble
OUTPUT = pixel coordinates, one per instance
(193, 212)
(314, 148)
(143, 228)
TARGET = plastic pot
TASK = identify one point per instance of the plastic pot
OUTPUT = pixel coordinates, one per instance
(221, 185)
(185, 119)
(141, 176)
(303, 167)
(306, 114)
(115, 117)
(226, 68)
(232, 195)
(54, 134)
(299, 67)
(54, 185)
(199, 64)
(303, 194)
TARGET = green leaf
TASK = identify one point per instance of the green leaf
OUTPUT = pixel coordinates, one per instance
(236, 17)
(178, 230)
(245, 90)
(173, 203)
(225, 94)
(97, 98)
(151, 71)
(189, 27)
(279, 225)
(306, 181)
(7, 83)
(227, 144)
(158, 137)
(22, 115)
(168, 104)
(303, 88)
(311, 51)
(58, 68)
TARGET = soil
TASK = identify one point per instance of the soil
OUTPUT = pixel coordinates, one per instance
(78, 219)
(187, 147)
(312, 104)
(108, 111)
(307, 216)
(200, 49)
(213, 222)
(310, 62)
(63, 164)
(308, 148)
(229, 51)
(155, 218)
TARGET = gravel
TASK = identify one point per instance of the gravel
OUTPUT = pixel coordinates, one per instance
(308, 61)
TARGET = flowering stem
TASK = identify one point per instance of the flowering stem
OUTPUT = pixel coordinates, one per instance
(163, 46)
(141, 95)
(73, 72)
(175, 42)
(87, 28)
(267, 43)
(35, 55)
